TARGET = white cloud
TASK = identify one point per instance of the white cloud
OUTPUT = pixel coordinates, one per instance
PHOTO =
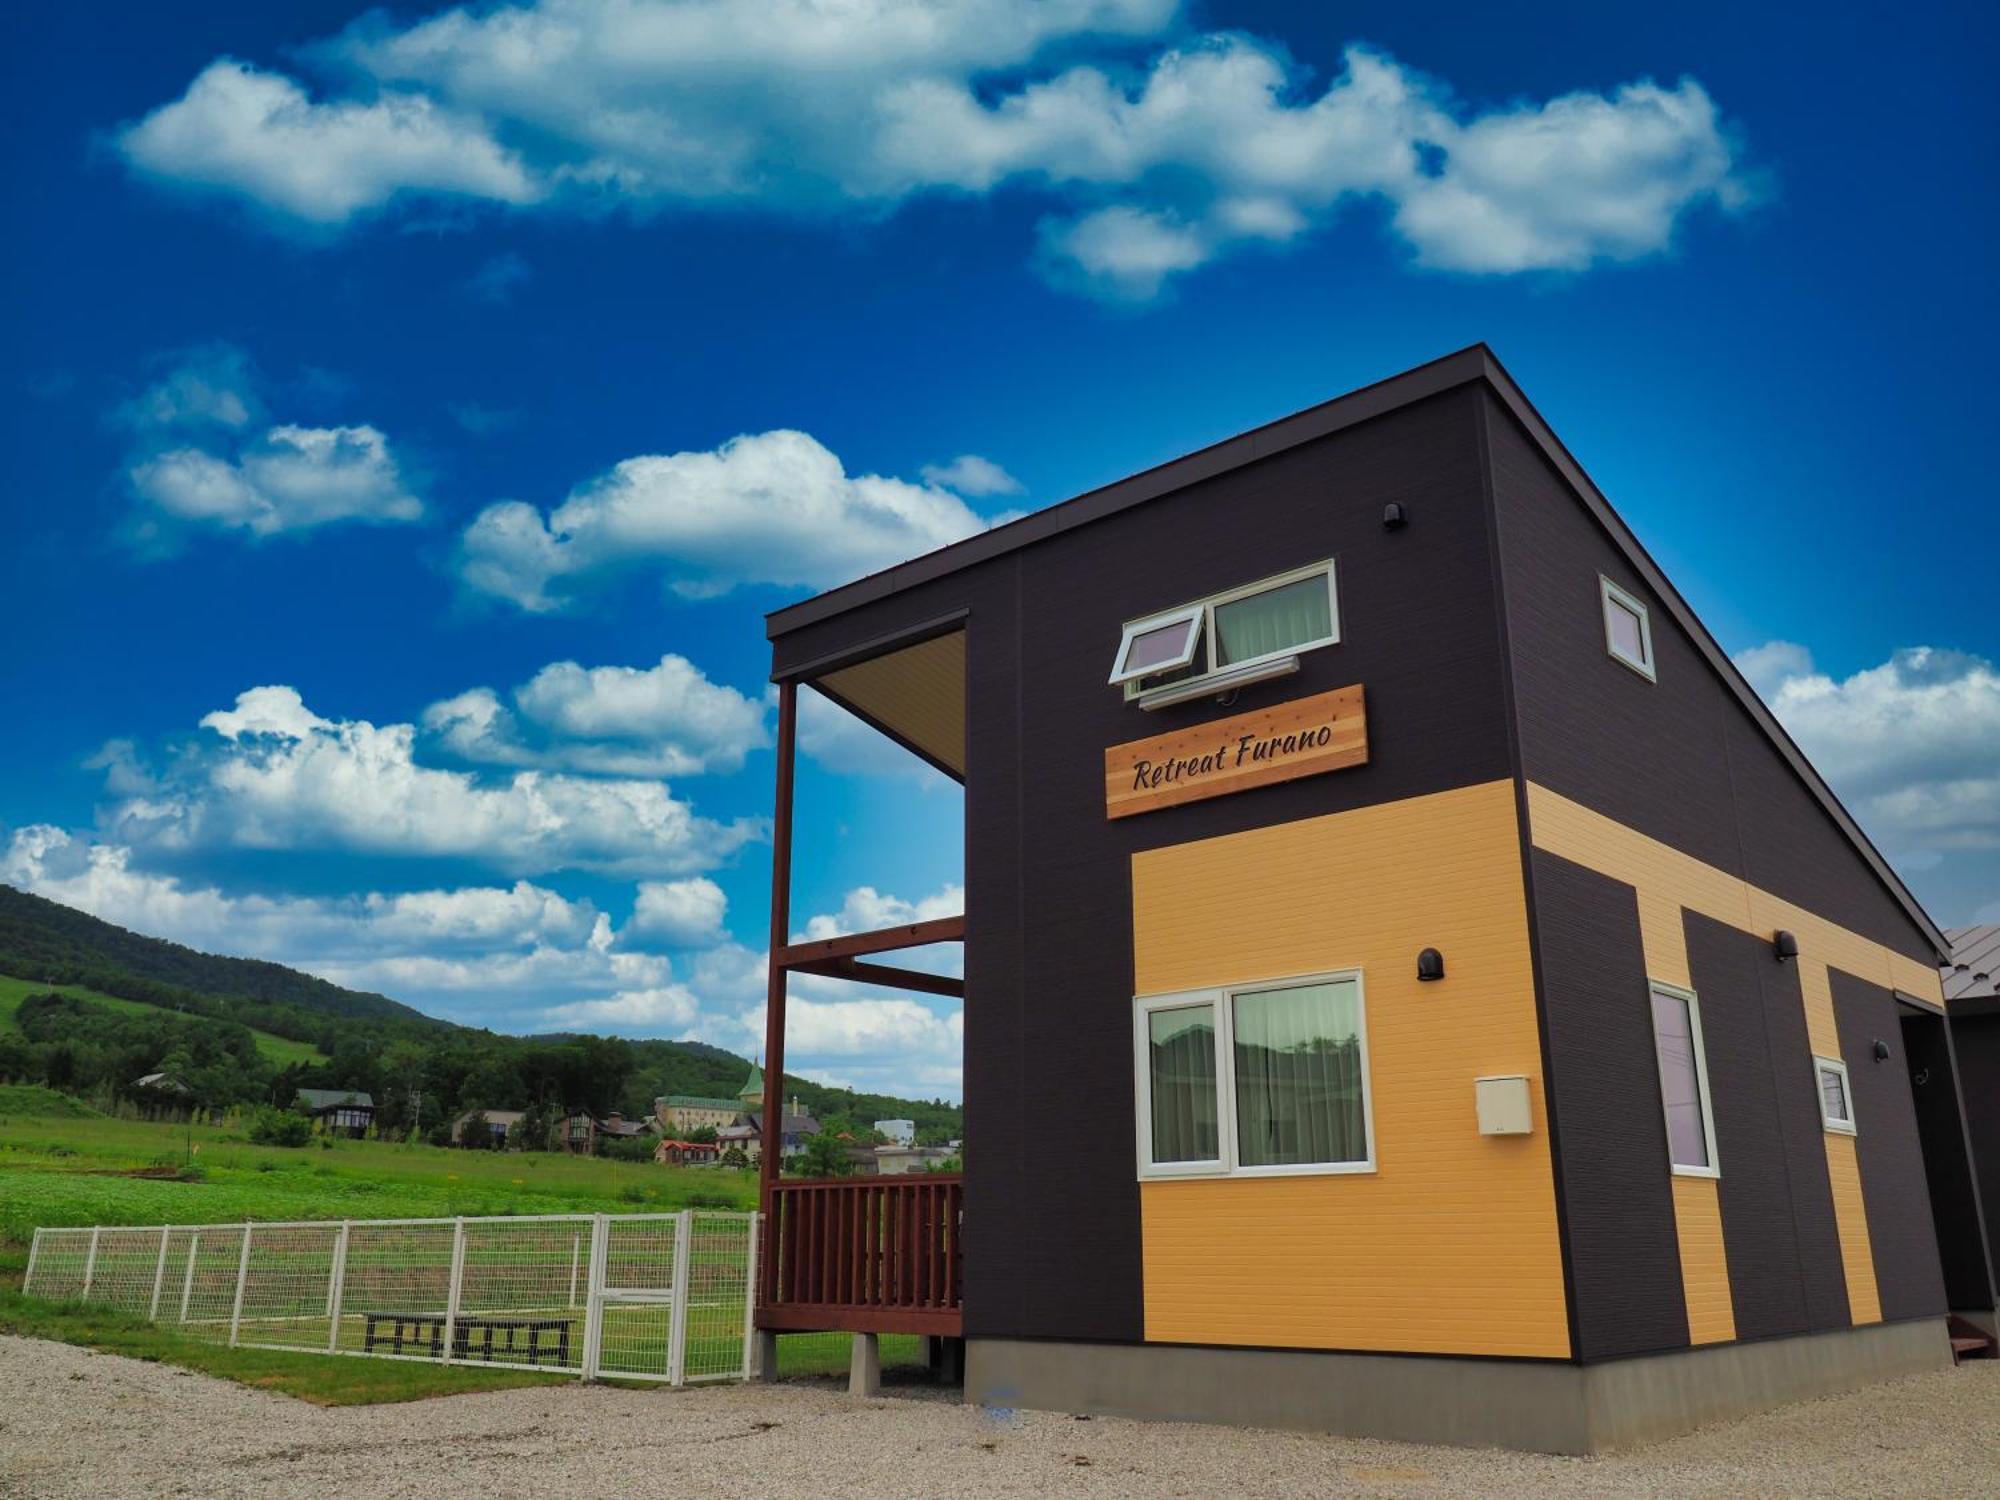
(866, 909)
(196, 463)
(772, 507)
(258, 135)
(969, 474)
(1910, 747)
(277, 776)
(487, 955)
(681, 913)
(663, 720)
(1212, 144)
(667, 1008)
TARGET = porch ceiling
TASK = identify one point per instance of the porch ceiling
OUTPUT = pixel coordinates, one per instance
(915, 695)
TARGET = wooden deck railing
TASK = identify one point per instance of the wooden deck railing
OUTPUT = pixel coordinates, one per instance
(865, 1254)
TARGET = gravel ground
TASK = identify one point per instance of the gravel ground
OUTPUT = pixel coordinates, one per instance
(77, 1423)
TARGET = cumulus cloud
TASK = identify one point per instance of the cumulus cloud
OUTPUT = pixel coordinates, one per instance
(198, 460)
(681, 913)
(772, 507)
(482, 954)
(274, 775)
(866, 909)
(663, 720)
(1910, 747)
(1211, 144)
(969, 474)
(258, 135)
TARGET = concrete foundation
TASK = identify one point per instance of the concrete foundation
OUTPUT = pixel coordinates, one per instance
(864, 1365)
(1541, 1406)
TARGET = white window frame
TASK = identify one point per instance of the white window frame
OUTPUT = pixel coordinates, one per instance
(1186, 615)
(1613, 597)
(1714, 1167)
(1223, 998)
(1822, 1065)
(1204, 644)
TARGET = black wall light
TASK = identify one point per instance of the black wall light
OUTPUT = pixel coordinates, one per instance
(1393, 518)
(1784, 946)
(1881, 1050)
(1430, 964)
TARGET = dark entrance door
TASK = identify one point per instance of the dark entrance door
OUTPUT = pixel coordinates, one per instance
(1955, 1206)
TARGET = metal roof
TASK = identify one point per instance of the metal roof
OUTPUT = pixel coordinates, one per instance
(1477, 363)
(1973, 971)
(336, 1098)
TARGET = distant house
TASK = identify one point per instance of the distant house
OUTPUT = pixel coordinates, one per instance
(615, 1127)
(497, 1123)
(338, 1111)
(897, 1132)
(162, 1084)
(748, 1135)
(687, 1153)
(899, 1161)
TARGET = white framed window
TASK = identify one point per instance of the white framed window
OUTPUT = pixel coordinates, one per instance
(1836, 1098)
(1231, 631)
(1628, 629)
(1254, 1080)
(1163, 643)
(1684, 1081)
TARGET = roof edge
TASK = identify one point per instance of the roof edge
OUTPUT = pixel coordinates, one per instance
(1425, 380)
(1475, 362)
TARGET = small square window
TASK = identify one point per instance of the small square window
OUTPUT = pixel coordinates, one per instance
(1628, 631)
(1836, 1099)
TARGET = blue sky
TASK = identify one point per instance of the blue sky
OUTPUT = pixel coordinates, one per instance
(450, 382)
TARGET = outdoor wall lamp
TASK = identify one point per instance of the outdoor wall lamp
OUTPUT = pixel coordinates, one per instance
(1430, 964)
(1881, 1050)
(1393, 518)
(1784, 946)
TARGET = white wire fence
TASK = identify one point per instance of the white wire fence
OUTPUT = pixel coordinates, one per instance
(664, 1297)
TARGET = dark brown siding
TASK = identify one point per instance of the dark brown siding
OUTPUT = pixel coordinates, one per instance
(1785, 1271)
(1052, 1243)
(1678, 759)
(1624, 1251)
(1901, 1231)
(1976, 1040)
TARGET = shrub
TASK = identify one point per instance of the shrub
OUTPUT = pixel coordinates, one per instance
(710, 1200)
(277, 1127)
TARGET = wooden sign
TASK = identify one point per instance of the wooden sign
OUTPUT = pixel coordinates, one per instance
(1302, 738)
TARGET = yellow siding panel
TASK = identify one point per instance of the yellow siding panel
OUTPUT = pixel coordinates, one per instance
(1665, 878)
(1704, 1265)
(1857, 1255)
(1450, 1246)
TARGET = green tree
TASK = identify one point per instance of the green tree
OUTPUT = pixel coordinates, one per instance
(825, 1155)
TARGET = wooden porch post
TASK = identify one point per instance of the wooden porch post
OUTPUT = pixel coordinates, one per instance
(772, 1148)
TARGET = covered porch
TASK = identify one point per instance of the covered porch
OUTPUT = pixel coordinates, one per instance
(863, 1255)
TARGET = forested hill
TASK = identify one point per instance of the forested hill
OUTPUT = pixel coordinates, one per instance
(195, 1009)
(39, 937)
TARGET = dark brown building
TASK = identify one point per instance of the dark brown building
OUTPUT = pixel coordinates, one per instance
(1488, 1026)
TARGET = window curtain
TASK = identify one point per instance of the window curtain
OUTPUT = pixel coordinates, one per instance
(1274, 620)
(1182, 1059)
(1298, 1076)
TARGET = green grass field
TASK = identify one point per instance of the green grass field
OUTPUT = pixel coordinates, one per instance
(277, 1049)
(63, 1164)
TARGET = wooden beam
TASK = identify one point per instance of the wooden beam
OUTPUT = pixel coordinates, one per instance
(886, 940)
(882, 974)
(771, 1152)
(824, 1317)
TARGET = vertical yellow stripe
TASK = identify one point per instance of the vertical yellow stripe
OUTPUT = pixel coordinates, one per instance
(1711, 1311)
(1843, 1168)
(1704, 1262)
